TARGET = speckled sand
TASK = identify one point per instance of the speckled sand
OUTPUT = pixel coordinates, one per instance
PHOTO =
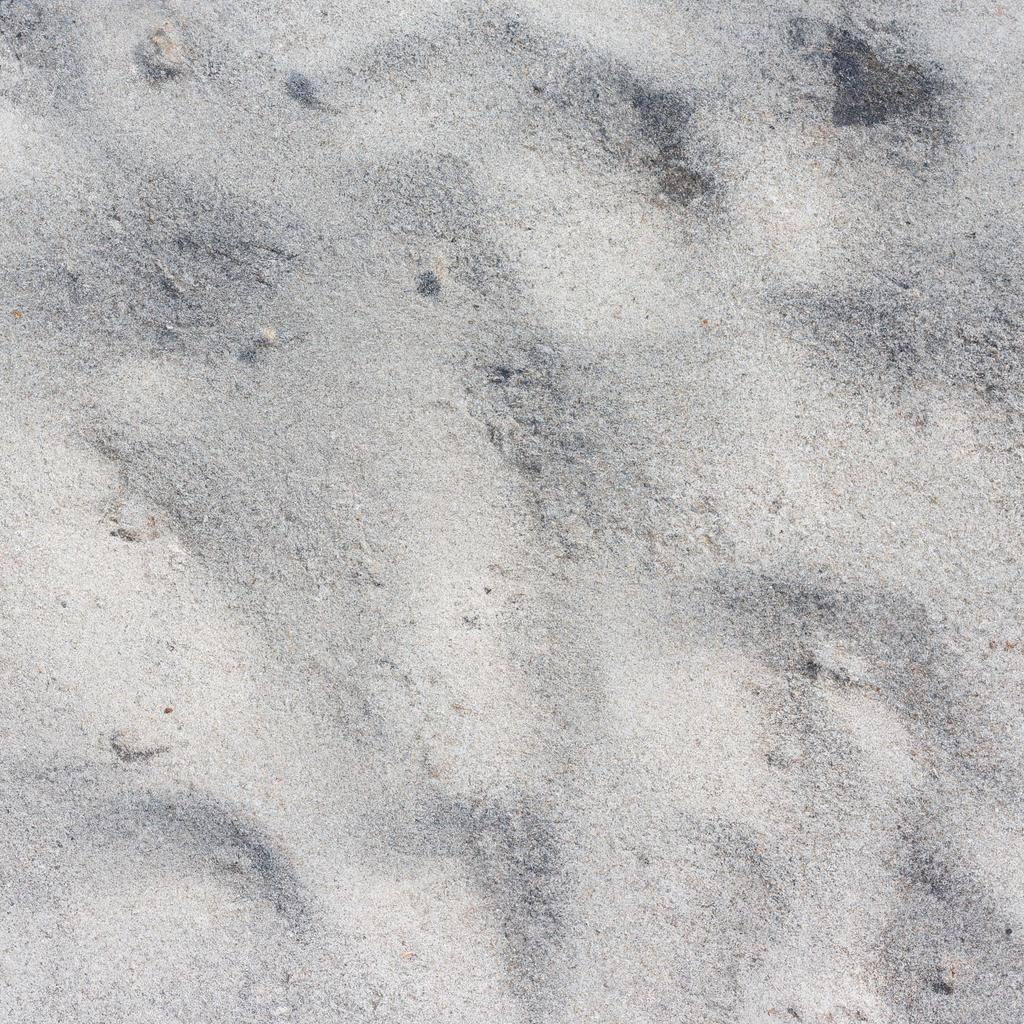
(511, 514)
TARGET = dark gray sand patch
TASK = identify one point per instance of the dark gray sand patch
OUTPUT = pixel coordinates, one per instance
(945, 949)
(601, 112)
(877, 82)
(303, 90)
(822, 635)
(897, 338)
(872, 90)
(131, 749)
(513, 851)
(226, 841)
(428, 285)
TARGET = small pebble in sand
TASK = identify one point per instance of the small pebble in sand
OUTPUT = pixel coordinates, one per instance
(268, 337)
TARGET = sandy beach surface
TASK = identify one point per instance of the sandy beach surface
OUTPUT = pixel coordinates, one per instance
(511, 514)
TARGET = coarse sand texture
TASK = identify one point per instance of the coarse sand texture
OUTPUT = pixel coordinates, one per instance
(511, 513)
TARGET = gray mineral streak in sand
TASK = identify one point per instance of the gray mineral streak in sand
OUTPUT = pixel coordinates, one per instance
(511, 512)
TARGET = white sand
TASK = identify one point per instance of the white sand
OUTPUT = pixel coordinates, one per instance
(511, 514)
